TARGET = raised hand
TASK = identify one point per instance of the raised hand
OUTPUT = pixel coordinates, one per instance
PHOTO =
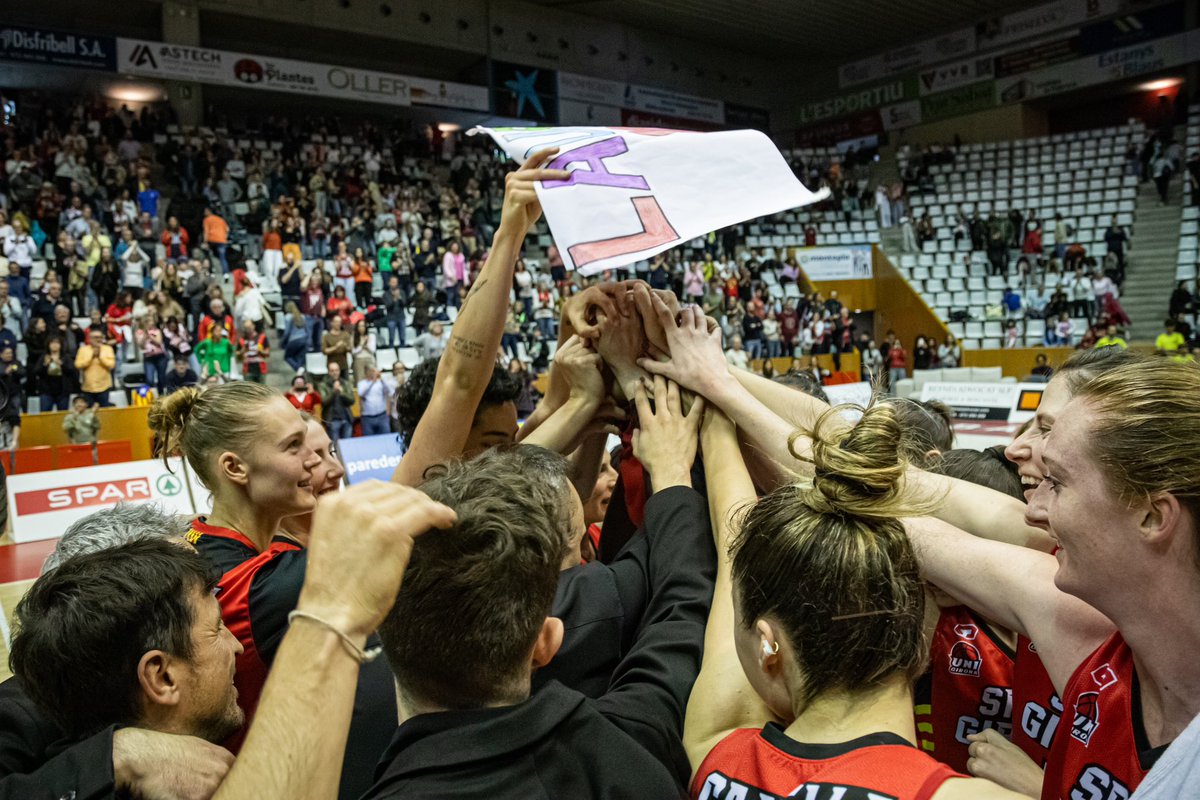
(697, 362)
(581, 366)
(621, 343)
(582, 310)
(665, 440)
(521, 205)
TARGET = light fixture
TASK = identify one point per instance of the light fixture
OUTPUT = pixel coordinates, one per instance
(134, 92)
(1162, 83)
(449, 127)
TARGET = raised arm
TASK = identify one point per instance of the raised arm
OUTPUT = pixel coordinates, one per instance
(979, 510)
(579, 366)
(722, 699)
(466, 366)
(1015, 587)
(361, 543)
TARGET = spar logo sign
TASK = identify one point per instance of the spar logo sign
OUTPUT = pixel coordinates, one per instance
(103, 493)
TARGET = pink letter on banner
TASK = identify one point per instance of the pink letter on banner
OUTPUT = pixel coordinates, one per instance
(656, 230)
(597, 174)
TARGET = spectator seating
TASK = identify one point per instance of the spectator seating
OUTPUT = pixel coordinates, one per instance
(1079, 175)
(114, 452)
(32, 459)
(911, 387)
(67, 456)
(1189, 230)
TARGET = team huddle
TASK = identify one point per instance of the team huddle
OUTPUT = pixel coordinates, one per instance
(783, 598)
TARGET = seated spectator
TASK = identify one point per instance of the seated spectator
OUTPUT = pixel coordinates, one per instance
(1042, 370)
(181, 375)
(1171, 342)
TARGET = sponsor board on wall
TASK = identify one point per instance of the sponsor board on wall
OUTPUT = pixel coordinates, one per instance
(851, 263)
(1037, 56)
(901, 115)
(45, 46)
(855, 126)
(635, 192)
(1131, 29)
(370, 457)
(1040, 20)
(740, 116)
(951, 76)
(448, 94)
(647, 99)
(222, 67)
(573, 112)
(991, 401)
(44, 504)
(903, 59)
(894, 91)
(522, 92)
(956, 102)
(1111, 66)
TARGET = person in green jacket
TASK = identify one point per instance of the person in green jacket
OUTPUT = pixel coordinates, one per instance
(81, 423)
(215, 354)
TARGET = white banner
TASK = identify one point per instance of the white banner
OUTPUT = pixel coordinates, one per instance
(602, 92)
(852, 263)
(225, 68)
(464, 96)
(954, 75)
(42, 505)
(974, 400)
(635, 192)
(902, 59)
(1041, 20)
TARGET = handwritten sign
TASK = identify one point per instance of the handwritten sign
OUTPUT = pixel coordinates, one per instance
(635, 192)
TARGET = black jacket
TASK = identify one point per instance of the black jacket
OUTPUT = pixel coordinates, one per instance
(36, 762)
(560, 744)
(601, 605)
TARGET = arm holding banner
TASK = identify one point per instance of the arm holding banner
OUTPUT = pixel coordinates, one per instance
(467, 364)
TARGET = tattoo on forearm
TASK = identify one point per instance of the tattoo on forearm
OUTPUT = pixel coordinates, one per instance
(471, 293)
(466, 348)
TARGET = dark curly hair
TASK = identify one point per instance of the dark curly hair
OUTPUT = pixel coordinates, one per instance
(413, 397)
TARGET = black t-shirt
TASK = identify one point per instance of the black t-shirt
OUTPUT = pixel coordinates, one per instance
(751, 328)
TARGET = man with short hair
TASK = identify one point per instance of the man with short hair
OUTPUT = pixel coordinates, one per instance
(35, 758)
(96, 362)
(373, 402)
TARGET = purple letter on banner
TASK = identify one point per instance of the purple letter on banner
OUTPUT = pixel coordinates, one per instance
(597, 174)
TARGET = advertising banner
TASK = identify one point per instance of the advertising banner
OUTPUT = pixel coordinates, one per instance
(633, 97)
(851, 263)
(951, 76)
(42, 505)
(956, 102)
(903, 59)
(855, 126)
(520, 92)
(370, 457)
(635, 192)
(1131, 29)
(739, 116)
(1037, 56)
(447, 94)
(1040, 20)
(573, 112)
(44, 46)
(901, 115)
(585, 89)
(205, 65)
(895, 91)
(974, 400)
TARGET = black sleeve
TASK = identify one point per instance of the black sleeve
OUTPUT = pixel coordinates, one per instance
(274, 593)
(650, 687)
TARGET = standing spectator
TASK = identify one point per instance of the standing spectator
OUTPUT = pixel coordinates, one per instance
(364, 278)
(432, 343)
(249, 305)
(337, 343)
(215, 354)
(149, 337)
(1160, 169)
(11, 310)
(295, 337)
(82, 423)
(897, 361)
(54, 377)
(454, 273)
(362, 348)
(337, 399)
(272, 250)
(1193, 173)
(736, 355)
(148, 199)
(922, 354)
(949, 353)
(339, 306)
(394, 304)
(312, 306)
(1033, 239)
(1182, 301)
(872, 363)
(253, 352)
(693, 282)
(343, 270)
(216, 236)
(523, 287)
(1117, 241)
(771, 335)
(106, 279)
(20, 248)
(182, 375)
(373, 397)
(752, 335)
(302, 396)
(175, 240)
(96, 362)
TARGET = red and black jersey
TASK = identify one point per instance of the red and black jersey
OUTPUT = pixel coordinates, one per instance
(751, 764)
(967, 689)
(1037, 708)
(255, 612)
(1101, 751)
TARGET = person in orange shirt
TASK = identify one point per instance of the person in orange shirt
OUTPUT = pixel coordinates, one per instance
(272, 257)
(216, 236)
(364, 277)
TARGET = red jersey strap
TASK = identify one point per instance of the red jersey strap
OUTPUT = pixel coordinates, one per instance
(754, 764)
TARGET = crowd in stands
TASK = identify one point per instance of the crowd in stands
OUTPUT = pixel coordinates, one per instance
(738, 601)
